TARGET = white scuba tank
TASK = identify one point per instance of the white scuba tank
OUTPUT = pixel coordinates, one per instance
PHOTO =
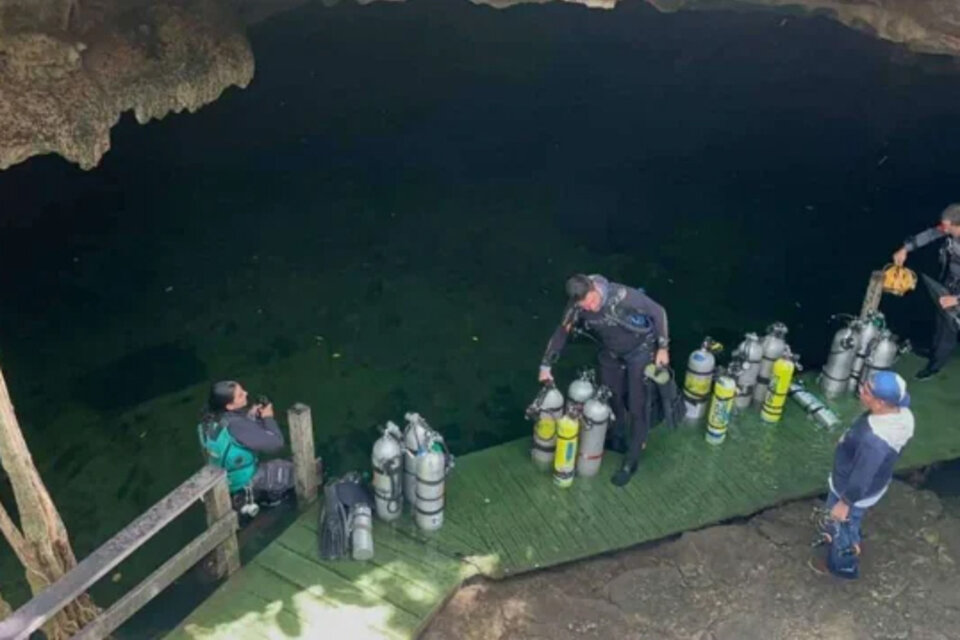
(884, 352)
(432, 469)
(362, 535)
(835, 375)
(698, 381)
(593, 433)
(813, 407)
(774, 346)
(870, 328)
(750, 354)
(581, 390)
(415, 441)
(545, 410)
(387, 462)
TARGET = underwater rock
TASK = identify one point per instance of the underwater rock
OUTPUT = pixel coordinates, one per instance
(69, 68)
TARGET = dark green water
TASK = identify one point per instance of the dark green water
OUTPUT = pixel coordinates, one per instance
(383, 222)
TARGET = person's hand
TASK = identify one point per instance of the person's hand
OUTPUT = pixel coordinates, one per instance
(266, 410)
(662, 358)
(949, 301)
(545, 375)
(900, 256)
(840, 511)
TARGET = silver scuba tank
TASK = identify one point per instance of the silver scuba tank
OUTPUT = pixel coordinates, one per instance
(387, 462)
(774, 346)
(869, 330)
(581, 390)
(545, 410)
(884, 352)
(835, 375)
(749, 353)
(698, 380)
(362, 535)
(432, 469)
(593, 433)
(813, 407)
(415, 442)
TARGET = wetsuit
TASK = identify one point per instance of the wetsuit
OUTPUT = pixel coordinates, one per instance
(262, 435)
(945, 333)
(630, 327)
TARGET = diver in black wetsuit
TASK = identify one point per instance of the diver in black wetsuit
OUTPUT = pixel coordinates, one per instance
(945, 335)
(632, 331)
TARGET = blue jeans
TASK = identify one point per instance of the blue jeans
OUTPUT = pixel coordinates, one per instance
(855, 517)
(843, 559)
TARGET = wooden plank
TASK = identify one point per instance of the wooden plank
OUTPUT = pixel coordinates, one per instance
(160, 579)
(44, 606)
(218, 505)
(304, 453)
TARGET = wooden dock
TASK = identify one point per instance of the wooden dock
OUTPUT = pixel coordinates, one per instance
(504, 517)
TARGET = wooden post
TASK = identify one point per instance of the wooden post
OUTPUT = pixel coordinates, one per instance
(41, 542)
(226, 557)
(304, 454)
(871, 301)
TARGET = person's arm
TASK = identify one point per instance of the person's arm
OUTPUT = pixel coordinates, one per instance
(257, 434)
(558, 341)
(915, 242)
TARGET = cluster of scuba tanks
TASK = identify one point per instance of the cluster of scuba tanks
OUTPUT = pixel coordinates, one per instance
(410, 468)
(762, 372)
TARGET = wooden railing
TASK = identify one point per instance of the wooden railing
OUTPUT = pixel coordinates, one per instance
(219, 539)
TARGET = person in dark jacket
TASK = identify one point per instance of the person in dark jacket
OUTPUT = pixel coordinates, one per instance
(233, 433)
(945, 334)
(632, 331)
(863, 463)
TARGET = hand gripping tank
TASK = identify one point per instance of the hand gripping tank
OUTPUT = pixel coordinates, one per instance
(835, 375)
(387, 462)
(774, 346)
(750, 354)
(545, 410)
(593, 433)
(869, 330)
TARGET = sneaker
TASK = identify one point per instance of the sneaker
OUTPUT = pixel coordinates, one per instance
(622, 477)
(926, 373)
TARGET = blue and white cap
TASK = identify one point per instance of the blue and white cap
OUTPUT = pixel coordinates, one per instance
(889, 387)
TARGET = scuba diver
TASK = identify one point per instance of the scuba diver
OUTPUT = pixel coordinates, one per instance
(863, 465)
(945, 334)
(632, 331)
(232, 433)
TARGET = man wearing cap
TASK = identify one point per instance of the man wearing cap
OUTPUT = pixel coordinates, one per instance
(632, 332)
(863, 466)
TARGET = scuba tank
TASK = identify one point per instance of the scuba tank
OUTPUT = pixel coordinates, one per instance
(565, 459)
(664, 400)
(884, 352)
(870, 328)
(581, 390)
(781, 376)
(696, 384)
(774, 346)
(750, 354)
(545, 410)
(414, 445)
(362, 532)
(432, 470)
(813, 407)
(835, 375)
(387, 462)
(721, 408)
(596, 418)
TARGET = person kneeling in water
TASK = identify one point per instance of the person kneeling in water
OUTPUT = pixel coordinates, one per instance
(232, 433)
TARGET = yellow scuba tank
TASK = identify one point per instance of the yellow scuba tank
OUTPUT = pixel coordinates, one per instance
(721, 409)
(780, 378)
(565, 459)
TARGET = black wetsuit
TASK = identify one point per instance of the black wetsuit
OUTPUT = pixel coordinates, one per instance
(630, 327)
(262, 435)
(945, 333)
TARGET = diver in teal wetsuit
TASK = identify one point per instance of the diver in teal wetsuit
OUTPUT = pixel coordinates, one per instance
(233, 434)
